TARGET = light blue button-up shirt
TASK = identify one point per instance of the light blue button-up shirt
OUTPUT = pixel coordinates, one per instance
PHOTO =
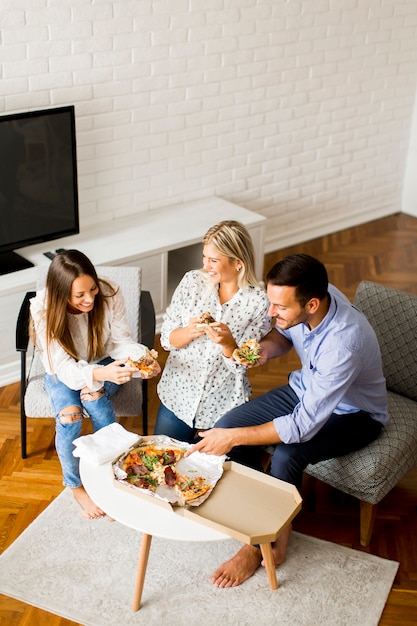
(341, 371)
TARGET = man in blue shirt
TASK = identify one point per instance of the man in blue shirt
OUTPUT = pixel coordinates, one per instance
(335, 404)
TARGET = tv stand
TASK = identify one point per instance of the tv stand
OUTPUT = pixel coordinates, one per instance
(13, 262)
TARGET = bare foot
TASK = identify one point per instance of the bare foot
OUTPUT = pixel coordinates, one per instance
(279, 547)
(238, 569)
(89, 509)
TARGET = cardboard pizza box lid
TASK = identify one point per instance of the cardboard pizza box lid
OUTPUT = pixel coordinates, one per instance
(245, 504)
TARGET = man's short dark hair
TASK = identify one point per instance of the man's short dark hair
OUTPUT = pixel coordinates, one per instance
(307, 274)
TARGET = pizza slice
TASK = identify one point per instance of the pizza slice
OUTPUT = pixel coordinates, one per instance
(147, 363)
(145, 481)
(248, 353)
(150, 457)
(188, 489)
(206, 319)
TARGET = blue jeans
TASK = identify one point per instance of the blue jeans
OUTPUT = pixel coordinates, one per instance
(167, 423)
(340, 435)
(100, 411)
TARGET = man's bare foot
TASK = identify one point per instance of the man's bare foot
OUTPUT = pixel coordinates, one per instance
(279, 547)
(237, 569)
(88, 508)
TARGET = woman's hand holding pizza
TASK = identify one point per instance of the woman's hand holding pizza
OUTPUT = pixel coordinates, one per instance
(147, 366)
(182, 336)
(195, 327)
(152, 371)
(118, 372)
(204, 325)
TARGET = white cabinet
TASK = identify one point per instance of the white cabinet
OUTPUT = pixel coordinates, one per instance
(164, 243)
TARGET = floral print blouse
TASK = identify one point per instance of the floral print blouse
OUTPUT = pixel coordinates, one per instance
(198, 383)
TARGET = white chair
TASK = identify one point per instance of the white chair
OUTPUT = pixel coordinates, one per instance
(132, 398)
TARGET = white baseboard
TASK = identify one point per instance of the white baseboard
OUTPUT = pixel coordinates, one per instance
(10, 373)
(276, 239)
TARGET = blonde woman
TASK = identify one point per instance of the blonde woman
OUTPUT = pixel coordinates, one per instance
(201, 381)
(79, 322)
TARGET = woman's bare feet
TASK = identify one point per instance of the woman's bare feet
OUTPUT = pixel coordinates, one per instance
(88, 508)
(237, 569)
(279, 547)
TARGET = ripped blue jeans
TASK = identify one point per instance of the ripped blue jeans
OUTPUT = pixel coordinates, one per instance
(100, 411)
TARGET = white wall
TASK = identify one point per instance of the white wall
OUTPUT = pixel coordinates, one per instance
(297, 109)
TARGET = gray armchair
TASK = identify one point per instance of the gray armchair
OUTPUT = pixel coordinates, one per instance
(372, 472)
(132, 398)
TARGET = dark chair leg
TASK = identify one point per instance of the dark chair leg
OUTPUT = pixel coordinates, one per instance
(145, 406)
(22, 339)
(22, 404)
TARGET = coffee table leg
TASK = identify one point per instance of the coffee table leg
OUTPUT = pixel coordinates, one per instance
(268, 557)
(145, 546)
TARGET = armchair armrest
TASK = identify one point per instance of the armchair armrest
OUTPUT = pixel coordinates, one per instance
(22, 324)
(22, 342)
(147, 320)
(147, 338)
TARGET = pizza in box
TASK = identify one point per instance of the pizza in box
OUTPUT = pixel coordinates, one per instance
(158, 467)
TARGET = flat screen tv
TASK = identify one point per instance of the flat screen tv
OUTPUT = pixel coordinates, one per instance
(38, 181)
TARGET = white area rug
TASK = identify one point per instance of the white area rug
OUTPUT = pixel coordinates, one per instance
(85, 570)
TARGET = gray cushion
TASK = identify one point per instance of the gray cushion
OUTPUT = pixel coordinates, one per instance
(370, 473)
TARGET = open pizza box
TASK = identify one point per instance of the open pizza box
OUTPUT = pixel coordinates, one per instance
(248, 505)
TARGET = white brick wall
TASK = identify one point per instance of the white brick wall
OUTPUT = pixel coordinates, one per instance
(300, 110)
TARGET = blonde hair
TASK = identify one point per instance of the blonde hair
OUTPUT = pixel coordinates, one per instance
(232, 239)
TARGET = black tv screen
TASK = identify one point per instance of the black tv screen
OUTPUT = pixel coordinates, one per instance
(38, 181)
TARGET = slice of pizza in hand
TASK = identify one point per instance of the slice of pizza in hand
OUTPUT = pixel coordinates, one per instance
(146, 364)
(248, 353)
(206, 319)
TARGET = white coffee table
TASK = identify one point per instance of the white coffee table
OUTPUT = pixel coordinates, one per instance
(214, 520)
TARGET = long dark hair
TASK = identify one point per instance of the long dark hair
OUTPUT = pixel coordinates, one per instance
(64, 269)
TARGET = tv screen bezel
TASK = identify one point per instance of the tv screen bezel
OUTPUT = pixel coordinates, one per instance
(75, 229)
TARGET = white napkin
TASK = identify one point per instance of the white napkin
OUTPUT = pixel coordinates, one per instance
(105, 444)
(135, 351)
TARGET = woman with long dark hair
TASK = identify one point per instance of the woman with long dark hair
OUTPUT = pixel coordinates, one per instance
(79, 326)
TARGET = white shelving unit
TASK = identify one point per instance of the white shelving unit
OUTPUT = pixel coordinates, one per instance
(164, 243)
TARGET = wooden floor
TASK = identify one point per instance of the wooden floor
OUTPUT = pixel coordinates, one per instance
(384, 251)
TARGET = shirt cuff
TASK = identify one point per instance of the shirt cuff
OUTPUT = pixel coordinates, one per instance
(281, 425)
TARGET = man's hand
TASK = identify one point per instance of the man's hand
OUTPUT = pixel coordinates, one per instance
(216, 441)
(220, 441)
